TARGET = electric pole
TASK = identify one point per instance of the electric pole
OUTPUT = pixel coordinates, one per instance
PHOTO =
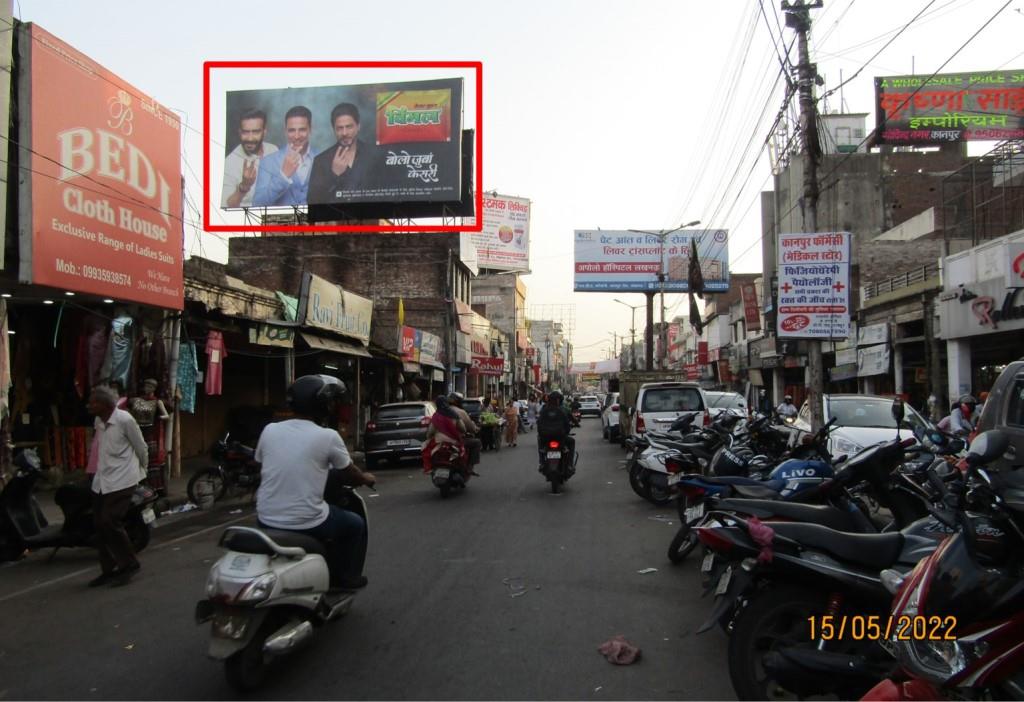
(798, 17)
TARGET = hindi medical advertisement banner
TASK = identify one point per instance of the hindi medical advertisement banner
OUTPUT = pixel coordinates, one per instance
(343, 144)
(814, 285)
(624, 261)
(101, 206)
(504, 242)
(951, 107)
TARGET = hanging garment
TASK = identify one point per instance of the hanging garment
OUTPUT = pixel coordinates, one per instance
(188, 370)
(118, 362)
(5, 361)
(216, 352)
(97, 350)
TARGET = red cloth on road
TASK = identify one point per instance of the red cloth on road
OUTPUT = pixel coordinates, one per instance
(619, 651)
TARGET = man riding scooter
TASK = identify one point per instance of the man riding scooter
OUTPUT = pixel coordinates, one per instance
(553, 423)
(295, 457)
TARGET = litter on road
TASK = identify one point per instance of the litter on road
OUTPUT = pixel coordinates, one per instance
(619, 651)
(645, 571)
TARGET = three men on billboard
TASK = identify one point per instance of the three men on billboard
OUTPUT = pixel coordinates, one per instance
(347, 165)
(242, 164)
(283, 178)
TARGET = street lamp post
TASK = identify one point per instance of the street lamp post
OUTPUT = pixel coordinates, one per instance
(661, 234)
(632, 331)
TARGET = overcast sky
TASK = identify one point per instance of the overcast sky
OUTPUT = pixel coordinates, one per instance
(604, 114)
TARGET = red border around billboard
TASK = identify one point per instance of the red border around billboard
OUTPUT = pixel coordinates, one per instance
(477, 66)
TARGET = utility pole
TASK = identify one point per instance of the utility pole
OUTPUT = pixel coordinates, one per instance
(798, 17)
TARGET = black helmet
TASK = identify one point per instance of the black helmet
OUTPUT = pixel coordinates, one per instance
(555, 397)
(314, 395)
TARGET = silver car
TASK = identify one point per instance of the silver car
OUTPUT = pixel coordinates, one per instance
(861, 421)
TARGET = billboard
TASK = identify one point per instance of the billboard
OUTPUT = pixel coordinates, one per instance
(344, 145)
(951, 107)
(814, 286)
(626, 261)
(100, 195)
(504, 242)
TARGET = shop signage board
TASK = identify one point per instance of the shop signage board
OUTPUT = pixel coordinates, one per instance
(814, 285)
(624, 261)
(409, 345)
(873, 360)
(845, 357)
(982, 308)
(872, 334)
(702, 353)
(1015, 264)
(692, 371)
(487, 365)
(272, 335)
(324, 305)
(504, 241)
(950, 107)
(607, 366)
(844, 372)
(430, 348)
(751, 314)
(100, 203)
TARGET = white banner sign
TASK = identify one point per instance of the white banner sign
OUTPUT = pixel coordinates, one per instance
(609, 366)
(814, 286)
(873, 360)
(873, 334)
(504, 243)
(845, 357)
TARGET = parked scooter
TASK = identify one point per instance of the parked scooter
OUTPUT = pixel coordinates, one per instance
(236, 468)
(23, 527)
(269, 592)
(558, 465)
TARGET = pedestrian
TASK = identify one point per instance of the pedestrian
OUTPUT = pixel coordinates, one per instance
(121, 457)
(511, 423)
(532, 409)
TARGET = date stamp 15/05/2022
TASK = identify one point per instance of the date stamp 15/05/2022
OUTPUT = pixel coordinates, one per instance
(882, 628)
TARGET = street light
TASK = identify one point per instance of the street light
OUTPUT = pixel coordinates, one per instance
(632, 330)
(662, 234)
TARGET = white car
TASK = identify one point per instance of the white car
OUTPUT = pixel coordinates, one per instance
(658, 405)
(589, 404)
(861, 421)
(610, 428)
(719, 402)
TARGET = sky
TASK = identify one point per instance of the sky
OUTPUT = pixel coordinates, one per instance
(641, 115)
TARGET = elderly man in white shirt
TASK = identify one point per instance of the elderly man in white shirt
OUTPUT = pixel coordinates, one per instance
(121, 459)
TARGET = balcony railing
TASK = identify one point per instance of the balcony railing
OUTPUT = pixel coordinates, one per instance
(904, 280)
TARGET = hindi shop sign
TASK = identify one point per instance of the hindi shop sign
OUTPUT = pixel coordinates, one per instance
(324, 305)
(624, 261)
(504, 242)
(951, 107)
(751, 313)
(100, 204)
(814, 286)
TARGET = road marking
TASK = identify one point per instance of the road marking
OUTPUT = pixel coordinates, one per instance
(83, 571)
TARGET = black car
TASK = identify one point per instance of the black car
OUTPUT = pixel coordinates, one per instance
(397, 431)
(473, 406)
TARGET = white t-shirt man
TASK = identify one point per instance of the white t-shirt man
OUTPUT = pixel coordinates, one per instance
(295, 456)
(787, 409)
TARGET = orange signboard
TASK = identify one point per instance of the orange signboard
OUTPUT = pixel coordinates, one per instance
(102, 210)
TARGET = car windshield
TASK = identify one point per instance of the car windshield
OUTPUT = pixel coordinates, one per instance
(588, 398)
(725, 400)
(472, 406)
(401, 412)
(671, 400)
(871, 412)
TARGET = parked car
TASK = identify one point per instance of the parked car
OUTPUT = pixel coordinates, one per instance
(1004, 410)
(610, 429)
(590, 405)
(397, 431)
(473, 407)
(861, 421)
(658, 405)
(719, 402)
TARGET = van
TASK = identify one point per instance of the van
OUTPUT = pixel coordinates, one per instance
(1004, 410)
(658, 405)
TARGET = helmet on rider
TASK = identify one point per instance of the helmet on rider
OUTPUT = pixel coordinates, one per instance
(788, 398)
(315, 396)
(555, 399)
(967, 404)
(455, 399)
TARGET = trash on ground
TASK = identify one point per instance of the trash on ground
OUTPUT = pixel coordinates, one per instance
(516, 586)
(235, 511)
(645, 571)
(129, 647)
(187, 507)
(598, 688)
(619, 651)
(374, 494)
(661, 518)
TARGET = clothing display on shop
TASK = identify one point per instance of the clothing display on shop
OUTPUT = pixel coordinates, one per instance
(188, 371)
(5, 361)
(150, 414)
(216, 352)
(118, 362)
(96, 348)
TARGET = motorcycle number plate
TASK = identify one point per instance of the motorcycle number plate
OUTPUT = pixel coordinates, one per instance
(723, 582)
(148, 515)
(442, 473)
(554, 454)
(673, 479)
(695, 512)
(708, 564)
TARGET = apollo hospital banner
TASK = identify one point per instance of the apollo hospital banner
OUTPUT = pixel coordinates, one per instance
(100, 204)
(814, 286)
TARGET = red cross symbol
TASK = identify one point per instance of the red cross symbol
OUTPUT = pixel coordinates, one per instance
(786, 287)
(839, 287)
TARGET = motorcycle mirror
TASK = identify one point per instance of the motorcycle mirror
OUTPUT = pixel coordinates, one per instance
(898, 411)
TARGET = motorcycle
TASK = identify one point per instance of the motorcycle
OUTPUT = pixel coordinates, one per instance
(446, 468)
(236, 470)
(269, 593)
(23, 527)
(575, 417)
(524, 420)
(558, 465)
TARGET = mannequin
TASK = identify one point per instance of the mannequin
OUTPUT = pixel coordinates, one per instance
(151, 414)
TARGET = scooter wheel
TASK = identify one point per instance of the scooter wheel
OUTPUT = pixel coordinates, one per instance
(206, 487)
(138, 533)
(556, 485)
(247, 669)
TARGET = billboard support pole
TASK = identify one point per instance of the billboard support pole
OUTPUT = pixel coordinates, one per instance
(798, 16)
(649, 332)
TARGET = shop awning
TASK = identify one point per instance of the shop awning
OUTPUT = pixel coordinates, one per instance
(319, 342)
(432, 364)
(408, 367)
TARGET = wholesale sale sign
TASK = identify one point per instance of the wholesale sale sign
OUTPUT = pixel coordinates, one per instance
(100, 209)
(814, 286)
(630, 261)
(504, 242)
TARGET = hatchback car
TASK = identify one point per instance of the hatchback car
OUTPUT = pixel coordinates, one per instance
(397, 431)
(473, 407)
(590, 405)
(610, 428)
(658, 405)
(719, 402)
(861, 421)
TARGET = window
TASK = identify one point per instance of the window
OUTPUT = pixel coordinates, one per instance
(1015, 404)
(401, 412)
(672, 400)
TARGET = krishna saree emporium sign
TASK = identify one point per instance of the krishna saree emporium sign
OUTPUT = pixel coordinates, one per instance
(100, 190)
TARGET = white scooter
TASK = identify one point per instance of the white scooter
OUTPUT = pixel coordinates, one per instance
(267, 594)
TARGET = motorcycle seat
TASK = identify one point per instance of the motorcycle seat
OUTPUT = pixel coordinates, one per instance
(875, 551)
(734, 480)
(764, 491)
(248, 542)
(825, 515)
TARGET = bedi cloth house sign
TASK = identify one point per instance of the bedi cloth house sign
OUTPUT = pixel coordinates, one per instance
(814, 285)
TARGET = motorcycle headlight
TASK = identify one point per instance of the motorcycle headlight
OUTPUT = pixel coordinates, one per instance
(258, 590)
(212, 590)
(841, 446)
(936, 661)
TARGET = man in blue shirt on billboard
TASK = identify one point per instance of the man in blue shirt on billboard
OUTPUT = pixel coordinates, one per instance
(283, 179)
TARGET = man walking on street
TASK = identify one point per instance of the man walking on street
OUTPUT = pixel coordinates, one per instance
(121, 454)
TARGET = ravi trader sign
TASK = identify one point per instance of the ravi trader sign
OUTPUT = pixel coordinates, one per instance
(625, 261)
(100, 203)
(814, 286)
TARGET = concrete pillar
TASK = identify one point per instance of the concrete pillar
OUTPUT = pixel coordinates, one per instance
(897, 364)
(868, 385)
(958, 355)
(778, 387)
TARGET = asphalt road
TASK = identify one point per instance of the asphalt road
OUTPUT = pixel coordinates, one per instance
(503, 592)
